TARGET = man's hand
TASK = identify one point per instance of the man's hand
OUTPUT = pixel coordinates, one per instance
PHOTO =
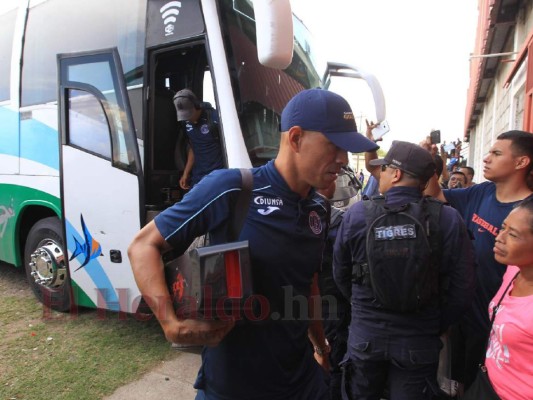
(184, 182)
(198, 332)
(426, 144)
(369, 126)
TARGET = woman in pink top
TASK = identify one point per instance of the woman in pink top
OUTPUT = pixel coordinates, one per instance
(509, 358)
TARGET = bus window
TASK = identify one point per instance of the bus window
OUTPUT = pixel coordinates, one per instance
(97, 74)
(80, 26)
(87, 124)
(7, 26)
(261, 92)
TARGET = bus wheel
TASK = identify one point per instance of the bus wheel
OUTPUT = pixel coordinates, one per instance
(45, 264)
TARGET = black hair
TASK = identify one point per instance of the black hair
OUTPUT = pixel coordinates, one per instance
(459, 173)
(527, 204)
(521, 142)
(469, 169)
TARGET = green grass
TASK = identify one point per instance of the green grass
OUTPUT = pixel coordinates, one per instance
(86, 355)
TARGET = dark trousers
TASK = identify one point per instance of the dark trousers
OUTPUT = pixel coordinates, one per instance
(399, 368)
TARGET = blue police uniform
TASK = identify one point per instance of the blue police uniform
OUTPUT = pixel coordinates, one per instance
(268, 354)
(205, 143)
(402, 348)
(483, 215)
(335, 308)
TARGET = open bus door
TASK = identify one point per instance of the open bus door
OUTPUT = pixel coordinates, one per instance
(101, 179)
(350, 71)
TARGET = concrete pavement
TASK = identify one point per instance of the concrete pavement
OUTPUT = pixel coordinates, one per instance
(173, 379)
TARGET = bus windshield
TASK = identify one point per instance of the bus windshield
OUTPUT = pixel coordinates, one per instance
(261, 92)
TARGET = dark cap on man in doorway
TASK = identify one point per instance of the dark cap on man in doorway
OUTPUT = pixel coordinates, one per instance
(185, 102)
(410, 158)
(328, 113)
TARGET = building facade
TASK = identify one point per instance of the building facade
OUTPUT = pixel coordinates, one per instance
(500, 94)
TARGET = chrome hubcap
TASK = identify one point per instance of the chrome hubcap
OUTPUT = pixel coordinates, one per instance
(48, 264)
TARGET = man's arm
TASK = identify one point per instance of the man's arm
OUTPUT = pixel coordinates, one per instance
(371, 155)
(316, 329)
(434, 189)
(458, 268)
(187, 170)
(145, 256)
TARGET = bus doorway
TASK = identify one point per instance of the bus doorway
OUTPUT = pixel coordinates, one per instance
(165, 145)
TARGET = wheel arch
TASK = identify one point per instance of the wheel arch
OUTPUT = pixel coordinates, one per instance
(29, 215)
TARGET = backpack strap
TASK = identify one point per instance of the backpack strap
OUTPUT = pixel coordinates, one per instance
(374, 207)
(240, 207)
(212, 119)
(432, 207)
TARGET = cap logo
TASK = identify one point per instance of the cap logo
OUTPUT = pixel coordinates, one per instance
(394, 161)
(348, 115)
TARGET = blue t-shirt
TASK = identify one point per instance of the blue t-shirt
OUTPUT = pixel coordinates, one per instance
(372, 187)
(205, 143)
(483, 215)
(271, 358)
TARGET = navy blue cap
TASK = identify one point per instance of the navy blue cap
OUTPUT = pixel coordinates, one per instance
(328, 113)
(409, 157)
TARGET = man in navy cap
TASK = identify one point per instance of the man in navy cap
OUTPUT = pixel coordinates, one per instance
(270, 355)
(406, 263)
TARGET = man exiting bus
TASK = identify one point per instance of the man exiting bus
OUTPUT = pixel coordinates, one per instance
(204, 153)
(271, 355)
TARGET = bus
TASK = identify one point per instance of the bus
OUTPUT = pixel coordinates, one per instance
(90, 147)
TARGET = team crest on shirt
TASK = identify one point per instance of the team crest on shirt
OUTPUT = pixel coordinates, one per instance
(315, 222)
(204, 129)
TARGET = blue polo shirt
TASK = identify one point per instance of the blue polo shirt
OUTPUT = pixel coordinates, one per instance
(483, 215)
(268, 356)
(205, 144)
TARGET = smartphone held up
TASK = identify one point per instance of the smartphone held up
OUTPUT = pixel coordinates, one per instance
(435, 137)
(380, 129)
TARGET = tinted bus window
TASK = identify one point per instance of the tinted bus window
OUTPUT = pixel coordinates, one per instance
(80, 26)
(87, 124)
(7, 26)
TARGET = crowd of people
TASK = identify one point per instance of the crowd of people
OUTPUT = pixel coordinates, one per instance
(426, 253)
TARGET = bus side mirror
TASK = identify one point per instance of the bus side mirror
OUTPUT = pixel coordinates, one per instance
(275, 38)
(350, 71)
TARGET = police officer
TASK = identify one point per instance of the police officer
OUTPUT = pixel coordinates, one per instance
(204, 153)
(388, 348)
(274, 356)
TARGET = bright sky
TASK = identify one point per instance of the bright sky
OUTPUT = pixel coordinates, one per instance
(417, 49)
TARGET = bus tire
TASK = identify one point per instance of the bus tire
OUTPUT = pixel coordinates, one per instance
(46, 265)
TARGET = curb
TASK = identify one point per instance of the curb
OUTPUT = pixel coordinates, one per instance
(173, 379)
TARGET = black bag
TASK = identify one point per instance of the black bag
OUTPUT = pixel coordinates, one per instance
(403, 253)
(215, 281)
(481, 388)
